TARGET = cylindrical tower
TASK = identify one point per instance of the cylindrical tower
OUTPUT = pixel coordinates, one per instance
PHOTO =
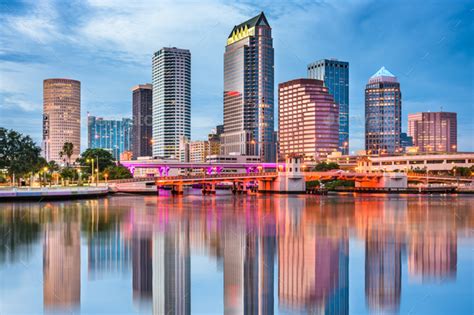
(61, 118)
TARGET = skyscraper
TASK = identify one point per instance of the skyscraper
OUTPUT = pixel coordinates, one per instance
(308, 119)
(61, 117)
(383, 110)
(248, 90)
(171, 108)
(335, 75)
(111, 135)
(434, 132)
(142, 120)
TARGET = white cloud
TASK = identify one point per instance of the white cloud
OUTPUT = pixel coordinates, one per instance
(17, 102)
(40, 24)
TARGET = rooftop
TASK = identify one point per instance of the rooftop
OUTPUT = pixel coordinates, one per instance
(256, 20)
(383, 75)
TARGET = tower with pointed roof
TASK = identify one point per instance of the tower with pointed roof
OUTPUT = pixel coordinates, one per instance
(249, 90)
(383, 110)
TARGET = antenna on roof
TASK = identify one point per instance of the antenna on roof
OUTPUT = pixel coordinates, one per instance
(441, 108)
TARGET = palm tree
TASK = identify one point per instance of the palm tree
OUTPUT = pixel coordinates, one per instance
(68, 149)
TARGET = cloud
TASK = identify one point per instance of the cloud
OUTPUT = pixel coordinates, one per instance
(19, 103)
(39, 24)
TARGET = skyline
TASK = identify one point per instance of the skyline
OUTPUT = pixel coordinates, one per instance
(109, 65)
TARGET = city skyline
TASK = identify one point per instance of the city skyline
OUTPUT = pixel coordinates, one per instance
(20, 97)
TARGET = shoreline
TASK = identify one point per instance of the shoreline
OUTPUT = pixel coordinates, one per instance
(74, 193)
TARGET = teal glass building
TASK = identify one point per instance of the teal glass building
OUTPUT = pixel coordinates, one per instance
(111, 135)
(335, 75)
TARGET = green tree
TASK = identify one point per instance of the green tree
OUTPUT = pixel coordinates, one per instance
(117, 172)
(68, 173)
(461, 171)
(19, 155)
(68, 150)
(105, 159)
(323, 167)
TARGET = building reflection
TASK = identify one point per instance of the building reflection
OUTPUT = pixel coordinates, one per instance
(61, 261)
(172, 270)
(312, 263)
(382, 224)
(289, 251)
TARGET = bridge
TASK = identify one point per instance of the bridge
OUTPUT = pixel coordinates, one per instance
(285, 177)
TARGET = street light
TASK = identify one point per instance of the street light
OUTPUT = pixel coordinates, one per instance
(92, 168)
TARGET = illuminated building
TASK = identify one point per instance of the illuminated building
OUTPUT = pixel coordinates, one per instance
(383, 110)
(248, 90)
(171, 76)
(335, 75)
(111, 135)
(142, 120)
(433, 132)
(308, 119)
(61, 117)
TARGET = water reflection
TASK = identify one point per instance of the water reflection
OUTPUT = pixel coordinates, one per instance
(285, 254)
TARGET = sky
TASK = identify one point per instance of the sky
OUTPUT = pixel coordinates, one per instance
(108, 46)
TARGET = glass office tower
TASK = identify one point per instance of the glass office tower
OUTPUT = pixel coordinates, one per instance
(171, 75)
(248, 90)
(142, 120)
(114, 136)
(335, 75)
(383, 110)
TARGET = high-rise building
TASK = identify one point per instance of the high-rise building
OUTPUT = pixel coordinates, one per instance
(61, 117)
(433, 132)
(171, 108)
(335, 75)
(142, 120)
(111, 135)
(308, 119)
(383, 110)
(248, 90)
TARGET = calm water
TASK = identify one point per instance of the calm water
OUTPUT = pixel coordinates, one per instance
(239, 254)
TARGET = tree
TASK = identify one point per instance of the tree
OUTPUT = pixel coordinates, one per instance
(323, 167)
(68, 150)
(105, 159)
(117, 172)
(19, 155)
(68, 173)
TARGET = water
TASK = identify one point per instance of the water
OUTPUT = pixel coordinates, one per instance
(235, 254)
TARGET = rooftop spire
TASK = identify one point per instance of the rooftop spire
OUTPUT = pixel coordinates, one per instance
(383, 75)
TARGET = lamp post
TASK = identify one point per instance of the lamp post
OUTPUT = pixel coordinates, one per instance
(92, 169)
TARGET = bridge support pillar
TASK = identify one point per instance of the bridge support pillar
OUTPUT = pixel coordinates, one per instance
(177, 189)
(289, 181)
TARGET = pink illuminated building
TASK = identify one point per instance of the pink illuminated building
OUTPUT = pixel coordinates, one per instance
(433, 132)
(308, 119)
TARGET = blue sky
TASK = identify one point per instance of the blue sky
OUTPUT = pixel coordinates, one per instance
(108, 44)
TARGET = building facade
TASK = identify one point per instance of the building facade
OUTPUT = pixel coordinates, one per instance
(171, 108)
(383, 110)
(406, 141)
(112, 135)
(61, 117)
(335, 75)
(142, 120)
(308, 119)
(433, 132)
(249, 90)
